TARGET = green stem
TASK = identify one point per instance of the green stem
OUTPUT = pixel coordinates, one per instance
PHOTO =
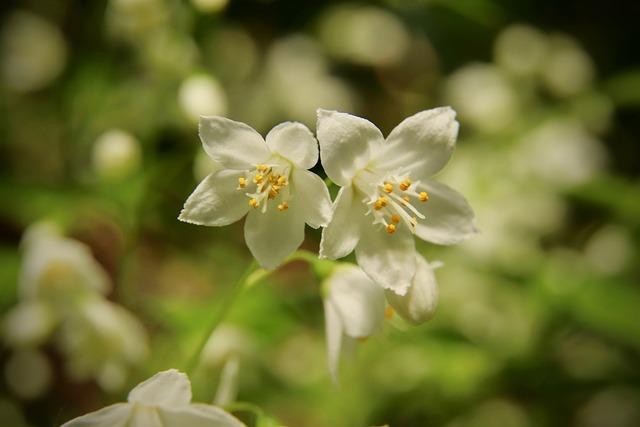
(220, 315)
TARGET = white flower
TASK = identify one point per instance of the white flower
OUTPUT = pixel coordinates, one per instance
(387, 194)
(268, 179)
(163, 400)
(354, 308)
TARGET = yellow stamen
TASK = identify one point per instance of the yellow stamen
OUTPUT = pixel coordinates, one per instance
(273, 192)
(423, 196)
(242, 182)
(388, 312)
(404, 185)
(258, 178)
(283, 206)
(253, 203)
(262, 168)
(282, 181)
(395, 218)
(388, 188)
(391, 228)
(380, 203)
(363, 339)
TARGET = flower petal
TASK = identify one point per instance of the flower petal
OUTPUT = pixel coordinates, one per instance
(167, 388)
(273, 235)
(388, 259)
(449, 218)
(235, 145)
(420, 302)
(295, 142)
(334, 332)
(421, 145)
(342, 234)
(145, 416)
(346, 143)
(111, 416)
(198, 415)
(216, 201)
(359, 302)
(312, 195)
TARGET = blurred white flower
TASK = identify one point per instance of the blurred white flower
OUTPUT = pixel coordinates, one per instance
(561, 152)
(609, 250)
(201, 95)
(133, 19)
(101, 338)
(28, 373)
(354, 308)
(266, 180)
(116, 154)
(28, 324)
(58, 270)
(295, 65)
(163, 400)
(32, 51)
(365, 35)
(568, 69)
(520, 49)
(387, 194)
(483, 96)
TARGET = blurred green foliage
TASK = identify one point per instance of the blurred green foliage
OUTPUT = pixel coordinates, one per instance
(538, 321)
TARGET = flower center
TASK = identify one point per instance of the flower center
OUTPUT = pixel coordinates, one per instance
(391, 203)
(267, 182)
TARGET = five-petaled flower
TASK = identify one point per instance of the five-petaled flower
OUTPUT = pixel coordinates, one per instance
(162, 400)
(387, 194)
(266, 178)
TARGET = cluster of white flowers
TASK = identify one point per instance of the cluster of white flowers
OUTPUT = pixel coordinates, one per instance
(61, 300)
(386, 196)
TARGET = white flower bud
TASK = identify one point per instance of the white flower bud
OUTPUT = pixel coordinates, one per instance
(420, 302)
(116, 154)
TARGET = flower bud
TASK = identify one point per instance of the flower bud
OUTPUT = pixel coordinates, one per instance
(419, 303)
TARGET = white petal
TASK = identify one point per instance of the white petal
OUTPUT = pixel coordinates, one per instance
(112, 416)
(295, 142)
(312, 195)
(235, 145)
(346, 144)
(388, 259)
(420, 302)
(359, 302)
(343, 231)
(28, 324)
(449, 218)
(167, 388)
(146, 416)
(272, 236)
(198, 415)
(334, 332)
(421, 145)
(216, 201)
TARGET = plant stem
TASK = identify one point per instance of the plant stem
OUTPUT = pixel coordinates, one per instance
(220, 315)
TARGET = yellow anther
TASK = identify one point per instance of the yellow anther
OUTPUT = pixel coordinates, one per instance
(283, 206)
(254, 203)
(423, 196)
(273, 192)
(242, 182)
(391, 228)
(363, 339)
(388, 312)
(258, 178)
(380, 203)
(281, 181)
(388, 188)
(262, 168)
(404, 185)
(395, 218)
